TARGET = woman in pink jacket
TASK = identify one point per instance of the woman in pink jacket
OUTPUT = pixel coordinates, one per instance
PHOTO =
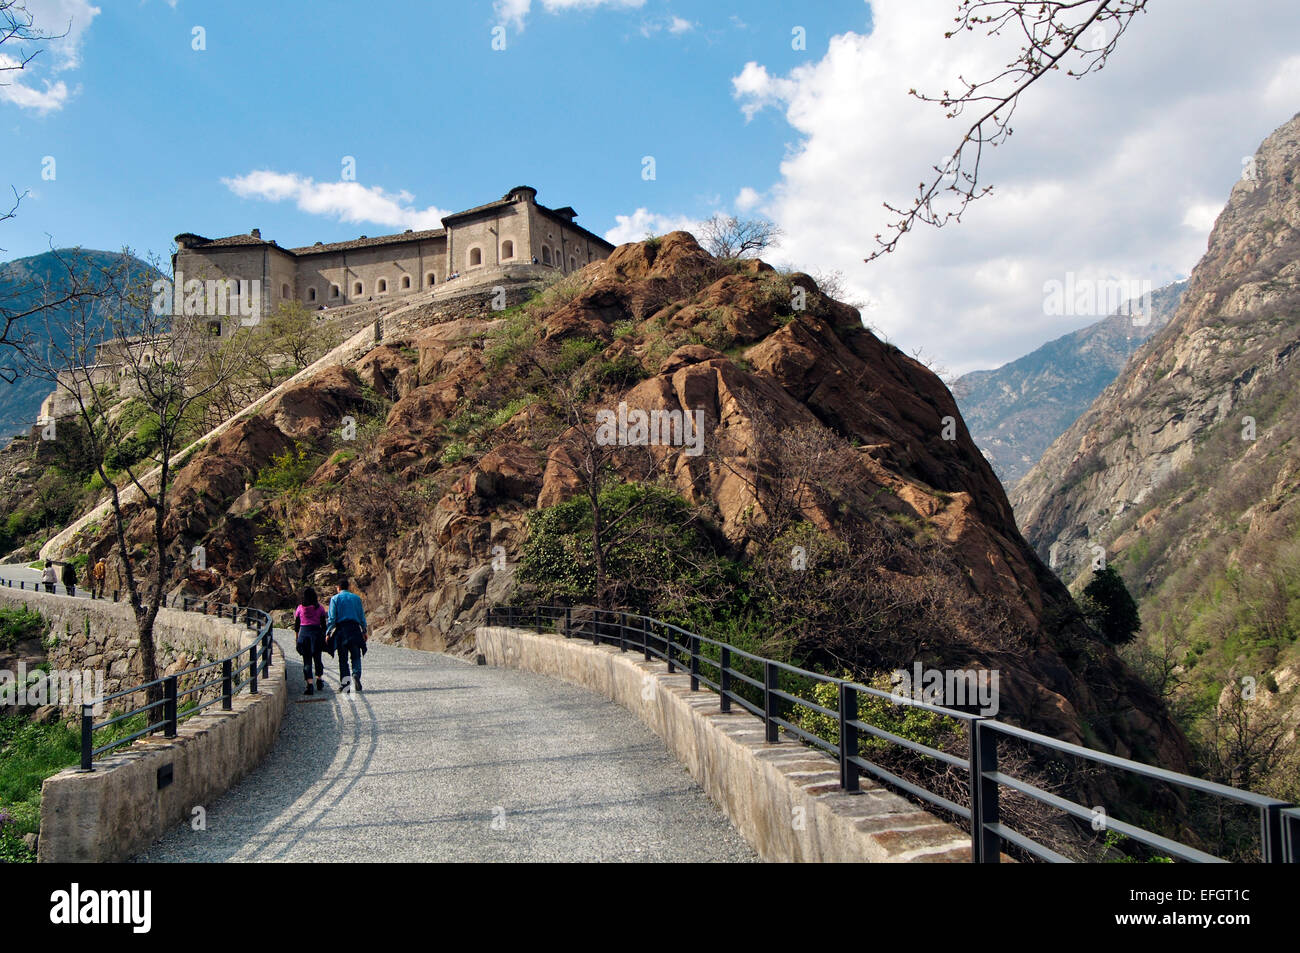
(309, 621)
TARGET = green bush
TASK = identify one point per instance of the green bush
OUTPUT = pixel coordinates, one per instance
(19, 623)
(288, 471)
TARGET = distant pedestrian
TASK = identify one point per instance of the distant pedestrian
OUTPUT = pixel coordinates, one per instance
(97, 577)
(346, 628)
(309, 621)
(49, 576)
(70, 578)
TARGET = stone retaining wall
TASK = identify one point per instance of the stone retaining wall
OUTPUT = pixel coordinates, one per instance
(127, 802)
(784, 798)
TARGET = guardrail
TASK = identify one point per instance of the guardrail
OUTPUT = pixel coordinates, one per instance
(1279, 821)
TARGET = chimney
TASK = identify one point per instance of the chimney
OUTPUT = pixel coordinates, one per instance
(256, 233)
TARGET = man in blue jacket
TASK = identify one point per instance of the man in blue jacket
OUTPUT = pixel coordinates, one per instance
(346, 627)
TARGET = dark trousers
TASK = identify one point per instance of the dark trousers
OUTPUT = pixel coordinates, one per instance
(311, 658)
(49, 587)
(353, 650)
(71, 587)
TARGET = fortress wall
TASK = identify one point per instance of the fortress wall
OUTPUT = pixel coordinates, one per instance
(487, 233)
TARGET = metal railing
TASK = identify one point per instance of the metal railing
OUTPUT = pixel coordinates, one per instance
(250, 660)
(985, 775)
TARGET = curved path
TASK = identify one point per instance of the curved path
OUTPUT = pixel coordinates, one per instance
(442, 760)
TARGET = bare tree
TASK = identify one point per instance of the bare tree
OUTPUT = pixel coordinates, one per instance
(116, 347)
(725, 236)
(1076, 35)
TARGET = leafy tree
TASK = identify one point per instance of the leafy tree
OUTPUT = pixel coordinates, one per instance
(1109, 608)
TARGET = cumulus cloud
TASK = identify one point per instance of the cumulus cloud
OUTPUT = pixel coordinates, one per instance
(1119, 174)
(747, 199)
(643, 222)
(65, 22)
(343, 201)
(515, 12)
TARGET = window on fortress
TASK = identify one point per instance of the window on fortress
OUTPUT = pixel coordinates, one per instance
(507, 249)
(406, 282)
(475, 257)
(311, 294)
(573, 263)
(546, 254)
(284, 291)
(432, 280)
(382, 287)
(356, 289)
(334, 291)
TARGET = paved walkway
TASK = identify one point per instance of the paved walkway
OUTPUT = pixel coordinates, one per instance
(441, 760)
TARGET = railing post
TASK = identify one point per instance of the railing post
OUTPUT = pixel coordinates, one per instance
(234, 613)
(769, 701)
(668, 650)
(986, 846)
(622, 631)
(537, 620)
(169, 706)
(226, 682)
(1271, 839)
(252, 664)
(87, 737)
(724, 680)
(645, 639)
(695, 662)
(266, 655)
(848, 737)
(568, 621)
(1291, 836)
(595, 626)
(115, 595)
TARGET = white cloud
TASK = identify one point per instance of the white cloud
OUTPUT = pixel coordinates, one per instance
(515, 12)
(643, 222)
(344, 201)
(65, 22)
(1097, 180)
(674, 24)
(1201, 216)
(678, 25)
(747, 199)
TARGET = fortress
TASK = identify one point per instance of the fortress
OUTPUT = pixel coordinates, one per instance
(514, 233)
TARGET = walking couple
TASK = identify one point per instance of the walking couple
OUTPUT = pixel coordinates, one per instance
(342, 628)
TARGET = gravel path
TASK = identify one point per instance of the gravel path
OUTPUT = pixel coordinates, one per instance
(441, 760)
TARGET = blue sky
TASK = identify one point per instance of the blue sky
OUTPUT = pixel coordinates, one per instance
(1117, 176)
(415, 93)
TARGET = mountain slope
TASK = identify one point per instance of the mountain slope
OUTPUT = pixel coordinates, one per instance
(1186, 474)
(24, 284)
(1016, 411)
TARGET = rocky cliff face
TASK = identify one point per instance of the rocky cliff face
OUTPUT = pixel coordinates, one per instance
(1016, 411)
(1199, 413)
(428, 498)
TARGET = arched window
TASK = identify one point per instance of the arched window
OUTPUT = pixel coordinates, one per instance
(546, 254)
(475, 257)
(334, 291)
(382, 286)
(311, 294)
(507, 249)
(432, 279)
(284, 291)
(573, 263)
(356, 289)
(406, 282)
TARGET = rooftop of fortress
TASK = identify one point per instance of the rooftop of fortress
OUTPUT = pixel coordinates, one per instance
(564, 215)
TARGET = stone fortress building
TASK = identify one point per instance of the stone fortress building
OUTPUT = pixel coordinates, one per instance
(514, 233)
